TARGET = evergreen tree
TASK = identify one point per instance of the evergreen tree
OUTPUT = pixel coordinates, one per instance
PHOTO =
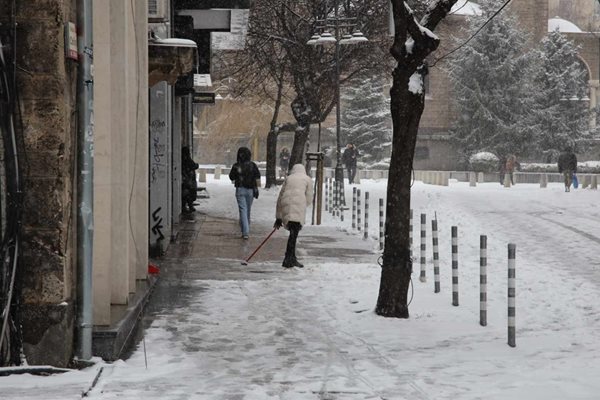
(366, 119)
(491, 76)
(559, 115)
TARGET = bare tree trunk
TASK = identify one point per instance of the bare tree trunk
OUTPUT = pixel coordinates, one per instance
(273, 134)
(303, 115)
(271, 174)
(300, 138)
(407, 109)
(407, 104)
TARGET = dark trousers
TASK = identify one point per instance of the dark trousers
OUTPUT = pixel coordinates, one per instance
(351, 172)
(290, 250)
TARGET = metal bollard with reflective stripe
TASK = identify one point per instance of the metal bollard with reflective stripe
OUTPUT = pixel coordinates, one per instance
(366, 233)
(423, 276)
(512, 250)
(354, 208)
(455, 266)
(381, 225)
(358, 211)
(410, 234)
(483, 280)
(327, 194)
(436, 256)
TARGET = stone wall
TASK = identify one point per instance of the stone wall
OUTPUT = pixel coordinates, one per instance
(47, 86)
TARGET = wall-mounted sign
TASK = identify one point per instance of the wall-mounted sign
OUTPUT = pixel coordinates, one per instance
(202, 80)
(203, 98)
(71, 41)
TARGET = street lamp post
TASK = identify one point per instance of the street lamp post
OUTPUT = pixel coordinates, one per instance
(324, 39)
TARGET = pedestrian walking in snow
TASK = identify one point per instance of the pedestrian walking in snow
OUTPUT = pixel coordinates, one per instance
(349, 158)
(511, 164)
(567, 165)
(189, 184)
(284, 162)
(295, 195)
(246, 177)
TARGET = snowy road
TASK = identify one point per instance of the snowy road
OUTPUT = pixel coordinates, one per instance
(312, 334)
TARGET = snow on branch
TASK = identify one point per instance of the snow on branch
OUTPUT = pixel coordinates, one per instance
(424, 41)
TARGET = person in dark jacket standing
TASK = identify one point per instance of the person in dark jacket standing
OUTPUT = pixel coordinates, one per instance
(284, 162)
(246, 177)
(567, 165)
(189, 185)
(349, 158)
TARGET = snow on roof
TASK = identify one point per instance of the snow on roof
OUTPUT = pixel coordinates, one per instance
(465, 7)
(562, 25)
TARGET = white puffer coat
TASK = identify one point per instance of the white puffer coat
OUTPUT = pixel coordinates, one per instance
(296, 194)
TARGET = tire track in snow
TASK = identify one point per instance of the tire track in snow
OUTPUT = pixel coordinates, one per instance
(323, 335)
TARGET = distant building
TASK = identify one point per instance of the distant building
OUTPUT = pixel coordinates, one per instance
(578, 19)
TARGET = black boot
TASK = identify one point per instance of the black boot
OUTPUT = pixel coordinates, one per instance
(290, 251)
(297, 264)
(287, 263)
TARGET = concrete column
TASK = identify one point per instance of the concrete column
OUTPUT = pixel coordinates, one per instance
(102, 164)
(120, 131)
(472, 179)
(139, 147)
(594, 92)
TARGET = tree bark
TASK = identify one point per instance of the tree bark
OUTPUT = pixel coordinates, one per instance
(303, 114)
(271, 173)
(407, 106)
(407, 109)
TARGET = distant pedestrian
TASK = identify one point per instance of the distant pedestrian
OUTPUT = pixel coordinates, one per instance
(567, 165)
(295, 195)
(349, 158)
(284, 162)
(511, 165)
(246, 177)
(189, 185)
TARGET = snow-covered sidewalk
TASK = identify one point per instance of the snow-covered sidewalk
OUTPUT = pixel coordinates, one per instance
(312, 333)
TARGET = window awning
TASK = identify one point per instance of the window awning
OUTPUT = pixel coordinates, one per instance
(169, 59)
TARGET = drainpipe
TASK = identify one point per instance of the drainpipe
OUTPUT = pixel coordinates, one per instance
(85, 170)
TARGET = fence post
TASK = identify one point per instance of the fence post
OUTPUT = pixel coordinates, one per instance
(217, 173)
(410, 234)
(331, 196)
(358, 210)
(472, 179)
(584, 181)
(326, 194)
(543, 181)
(455, 266)
(436, 256)
(512, 250)
(594, 184)
(366, 215)
(336, 199)
(381, 225)
(354, 207)
(483, 280)
(423, 277)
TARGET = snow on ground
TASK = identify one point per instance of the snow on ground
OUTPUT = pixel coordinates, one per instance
(312, 333)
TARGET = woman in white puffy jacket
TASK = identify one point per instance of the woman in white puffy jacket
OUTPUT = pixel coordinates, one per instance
(296, 194)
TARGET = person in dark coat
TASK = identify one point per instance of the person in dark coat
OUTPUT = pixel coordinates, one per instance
(567, 165)
(284, 162)
(349, 158)
(246, 178)
(511, 165)
(189, 184)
